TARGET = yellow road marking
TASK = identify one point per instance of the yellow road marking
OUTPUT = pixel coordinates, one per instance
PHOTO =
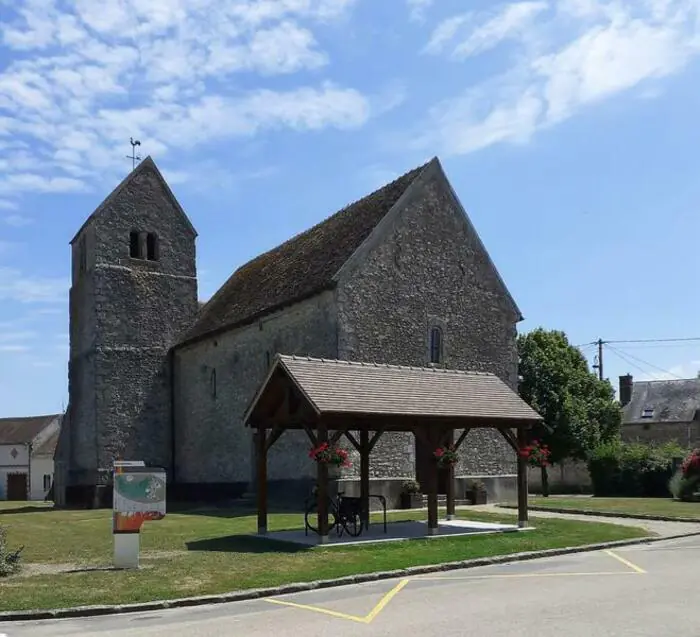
(362, 620)
(627, 563)
(385, 600)
(317, 609)
(519, 575)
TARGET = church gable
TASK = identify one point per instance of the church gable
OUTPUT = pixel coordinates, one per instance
(429, 220)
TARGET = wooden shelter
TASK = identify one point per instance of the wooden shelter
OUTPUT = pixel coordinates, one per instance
(329, 399)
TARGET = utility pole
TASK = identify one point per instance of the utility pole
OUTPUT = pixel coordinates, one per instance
(599, 359)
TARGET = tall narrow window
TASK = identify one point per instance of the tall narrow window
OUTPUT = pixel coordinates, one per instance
(435, 345)
(134, 247)
(152, 246)
(212, 381)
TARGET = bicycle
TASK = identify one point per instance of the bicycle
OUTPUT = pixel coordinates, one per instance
(344, 514)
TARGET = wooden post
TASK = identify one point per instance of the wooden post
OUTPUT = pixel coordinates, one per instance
(261, 452)
(451, 514)
(322, 478)
(432, 486)
(364, 476)
(522, 480)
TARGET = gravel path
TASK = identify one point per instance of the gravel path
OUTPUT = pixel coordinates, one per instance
(663, 529)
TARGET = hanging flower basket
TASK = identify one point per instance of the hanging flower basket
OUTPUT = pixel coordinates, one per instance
(446, 456)
(536, 454)
(334, 457)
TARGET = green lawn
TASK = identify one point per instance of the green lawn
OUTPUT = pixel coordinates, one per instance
(633, 506)
(204, 553)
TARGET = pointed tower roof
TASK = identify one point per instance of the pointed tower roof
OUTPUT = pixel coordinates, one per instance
(146, 165)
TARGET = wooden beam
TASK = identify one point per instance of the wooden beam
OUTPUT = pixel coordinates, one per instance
(450, 496)
(322, 477)
(261, 449)
(274, 437)
(522, 480)
(337, 435)
(461, 438)
(353, 440)
(431, 439)
(365, 450)
(312, 437)
(375, 439)
(511, 439)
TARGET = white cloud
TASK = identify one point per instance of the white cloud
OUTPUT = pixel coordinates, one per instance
(19, 287)
(601, 49)
(17, 221)
(13, 348)
(472, 33)
(418, 8)
(84, 77)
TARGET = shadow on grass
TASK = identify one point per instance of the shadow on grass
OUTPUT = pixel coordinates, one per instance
(245, 544)
(27, 509)
(229, 510)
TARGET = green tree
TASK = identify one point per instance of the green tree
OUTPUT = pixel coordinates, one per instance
(579, 410)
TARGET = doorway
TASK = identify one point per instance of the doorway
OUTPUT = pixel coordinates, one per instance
(424, 462)
(17, 486)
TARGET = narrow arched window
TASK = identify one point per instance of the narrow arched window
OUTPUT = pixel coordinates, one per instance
(435, 345)
(212, 382)
(134, 245)
(152, 246)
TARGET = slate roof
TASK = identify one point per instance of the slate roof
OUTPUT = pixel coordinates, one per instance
(299, 268)
(335, 386)
(21, 431)
(48, 448)
(670, 400)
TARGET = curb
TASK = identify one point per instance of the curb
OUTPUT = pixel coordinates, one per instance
(286, 589)
(607, 514)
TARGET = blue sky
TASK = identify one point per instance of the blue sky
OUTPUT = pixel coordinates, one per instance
(569, 130)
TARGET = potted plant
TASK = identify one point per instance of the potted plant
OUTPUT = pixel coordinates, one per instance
(411, 497)
(446, 456)
(476, 492)
(333, 457)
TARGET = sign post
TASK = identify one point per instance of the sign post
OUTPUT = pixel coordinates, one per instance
(139, 495)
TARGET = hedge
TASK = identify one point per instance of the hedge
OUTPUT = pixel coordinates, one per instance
(620, 469)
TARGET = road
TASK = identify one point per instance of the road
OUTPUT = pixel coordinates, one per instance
(640, 591)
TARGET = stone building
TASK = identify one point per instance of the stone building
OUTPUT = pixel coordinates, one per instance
(27, 447)
(661, 411)
(398, 277)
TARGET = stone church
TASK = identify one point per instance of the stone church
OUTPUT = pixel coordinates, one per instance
(398, 277)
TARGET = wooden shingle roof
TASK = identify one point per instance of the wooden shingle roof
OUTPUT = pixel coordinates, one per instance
(335, 387)
(299, 268)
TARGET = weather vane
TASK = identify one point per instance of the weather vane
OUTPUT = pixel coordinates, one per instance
(133, 157)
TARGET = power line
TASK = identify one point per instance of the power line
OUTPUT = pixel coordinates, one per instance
(628, 361)
(627, 354)
(646, 340)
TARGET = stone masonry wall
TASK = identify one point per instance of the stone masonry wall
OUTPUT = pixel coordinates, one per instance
(215, 380)
(686, 434)
(128, 315)
(430, 271)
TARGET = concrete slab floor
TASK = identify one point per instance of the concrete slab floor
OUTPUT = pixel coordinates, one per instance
(396, 531)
